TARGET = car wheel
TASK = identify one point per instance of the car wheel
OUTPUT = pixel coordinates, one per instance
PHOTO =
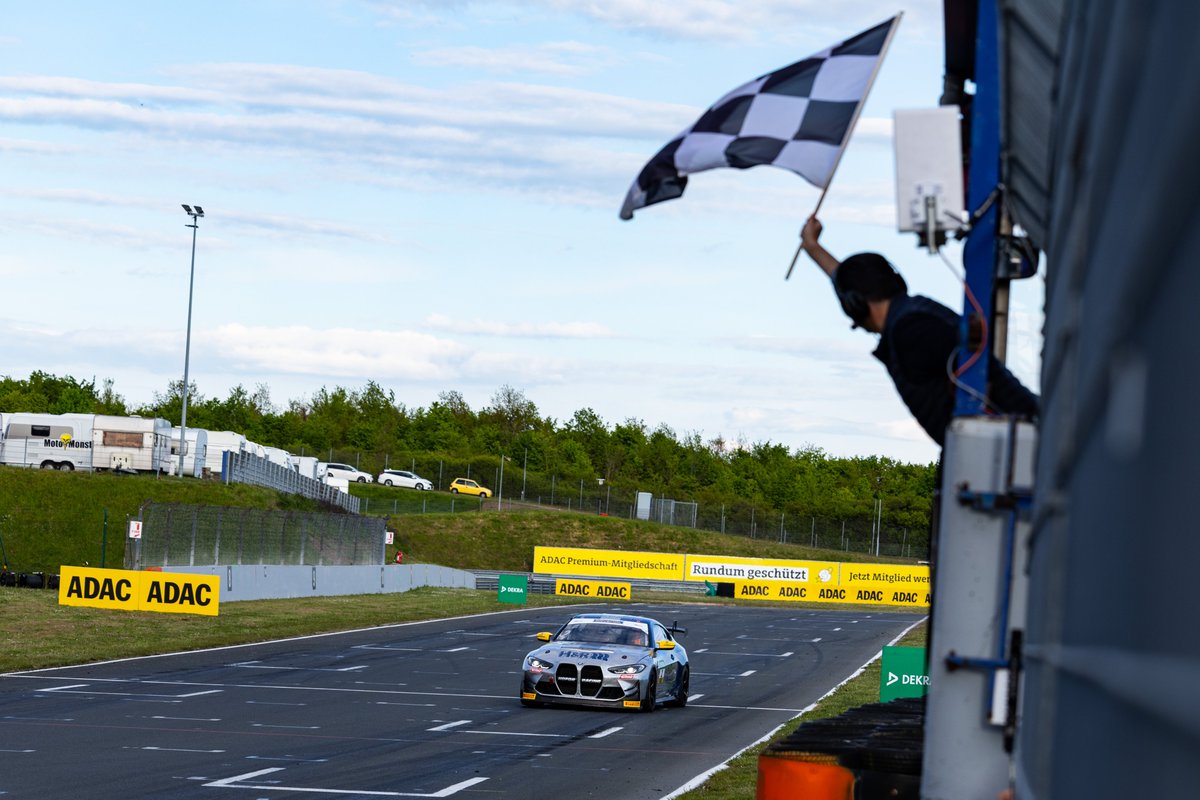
(681, 692)
(361, 480)
(453, 490)
(421, 487)
(651, 693)
(66, 466)
(49, 465)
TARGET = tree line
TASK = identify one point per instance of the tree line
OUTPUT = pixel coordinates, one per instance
(380, 431)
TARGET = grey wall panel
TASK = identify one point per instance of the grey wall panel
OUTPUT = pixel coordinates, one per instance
(277, 582)
(1111, 701)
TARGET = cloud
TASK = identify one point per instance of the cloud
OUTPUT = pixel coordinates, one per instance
(551, 58)
(521, 330)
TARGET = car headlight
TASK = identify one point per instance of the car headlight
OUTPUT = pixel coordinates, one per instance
(627, 669)
(538, 665)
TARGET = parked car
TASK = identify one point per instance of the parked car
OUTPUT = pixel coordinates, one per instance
(468, 486)
(347, 473)
(404, 479)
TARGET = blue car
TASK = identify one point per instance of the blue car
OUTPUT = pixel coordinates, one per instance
(608, 661)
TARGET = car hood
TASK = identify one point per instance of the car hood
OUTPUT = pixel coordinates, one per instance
(591, 651)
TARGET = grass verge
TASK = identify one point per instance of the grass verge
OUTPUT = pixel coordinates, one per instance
(739, 777)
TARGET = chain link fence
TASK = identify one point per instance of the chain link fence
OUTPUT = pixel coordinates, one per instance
(189, 535)
(515, 487)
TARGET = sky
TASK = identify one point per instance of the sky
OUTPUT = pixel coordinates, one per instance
(426, 195)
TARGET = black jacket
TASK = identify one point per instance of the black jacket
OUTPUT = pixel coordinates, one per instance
(919, 337)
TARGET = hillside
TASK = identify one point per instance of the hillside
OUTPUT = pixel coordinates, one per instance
(50, 518)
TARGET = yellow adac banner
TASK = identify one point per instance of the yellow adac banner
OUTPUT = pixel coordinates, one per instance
(608, 563)
(598, 589)
(166, 592)
(739, 568)
(874, 594)
(908, 578)
(754, 578)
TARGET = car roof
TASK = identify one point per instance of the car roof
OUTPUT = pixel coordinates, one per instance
(613, 618)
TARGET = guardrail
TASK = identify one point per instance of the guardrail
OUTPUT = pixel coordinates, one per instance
(543, 583)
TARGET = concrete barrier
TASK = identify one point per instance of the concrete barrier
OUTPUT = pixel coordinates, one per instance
(268, 582)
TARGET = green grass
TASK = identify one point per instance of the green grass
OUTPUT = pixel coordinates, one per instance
(37, 632)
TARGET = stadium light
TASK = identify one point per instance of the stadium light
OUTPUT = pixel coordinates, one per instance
(195, 214)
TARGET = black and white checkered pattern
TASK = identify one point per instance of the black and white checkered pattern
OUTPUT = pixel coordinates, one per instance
(798, 118)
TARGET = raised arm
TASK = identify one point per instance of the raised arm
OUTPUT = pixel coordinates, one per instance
(808, 240)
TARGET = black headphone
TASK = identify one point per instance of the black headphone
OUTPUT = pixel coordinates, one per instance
(856, 303)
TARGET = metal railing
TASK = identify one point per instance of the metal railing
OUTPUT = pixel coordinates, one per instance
(252, 469)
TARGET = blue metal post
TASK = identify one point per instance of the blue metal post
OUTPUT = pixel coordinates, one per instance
(979, 254)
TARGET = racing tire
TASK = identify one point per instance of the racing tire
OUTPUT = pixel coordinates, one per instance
(651, 698)
(49, 465)
(66, 466)
(681, 693)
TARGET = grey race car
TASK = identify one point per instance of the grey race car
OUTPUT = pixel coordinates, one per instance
(608, 661)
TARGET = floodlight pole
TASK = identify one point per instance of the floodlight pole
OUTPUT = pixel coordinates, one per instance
(187, 347)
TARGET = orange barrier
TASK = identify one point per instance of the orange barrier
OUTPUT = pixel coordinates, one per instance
(781, 778)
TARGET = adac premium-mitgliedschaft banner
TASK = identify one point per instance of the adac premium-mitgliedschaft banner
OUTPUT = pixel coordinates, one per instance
(608, 563)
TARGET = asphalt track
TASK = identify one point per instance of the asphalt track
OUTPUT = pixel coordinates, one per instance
(416, 710)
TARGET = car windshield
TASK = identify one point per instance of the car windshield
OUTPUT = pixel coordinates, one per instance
(601, 633)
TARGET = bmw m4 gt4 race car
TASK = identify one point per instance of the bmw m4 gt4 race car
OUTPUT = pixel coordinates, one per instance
(608, 661)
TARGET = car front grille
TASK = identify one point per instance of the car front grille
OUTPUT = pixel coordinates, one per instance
(586, 681)
(591, 678)
(567, 678)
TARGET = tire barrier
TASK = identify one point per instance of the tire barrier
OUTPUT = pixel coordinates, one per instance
(28, 580)
(868, 753)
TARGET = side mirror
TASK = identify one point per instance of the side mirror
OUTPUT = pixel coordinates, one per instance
(544, 636)
(677, 628)
(665, 644)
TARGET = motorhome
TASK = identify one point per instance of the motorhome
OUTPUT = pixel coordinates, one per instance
(194, 450)
(47, 441)
(218, 443)
(131, 444)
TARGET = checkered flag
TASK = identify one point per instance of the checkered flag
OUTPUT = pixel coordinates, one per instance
(799, 118)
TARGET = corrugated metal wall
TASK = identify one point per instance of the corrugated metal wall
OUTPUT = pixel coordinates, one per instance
(1111, 704)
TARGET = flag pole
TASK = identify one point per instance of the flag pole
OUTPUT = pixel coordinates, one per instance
(850, 130)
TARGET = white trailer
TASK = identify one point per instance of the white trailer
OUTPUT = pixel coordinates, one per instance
(306, 466)
(194, 450)
(47, 441)
(283, 458)
(218, 443)
(131, 444)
